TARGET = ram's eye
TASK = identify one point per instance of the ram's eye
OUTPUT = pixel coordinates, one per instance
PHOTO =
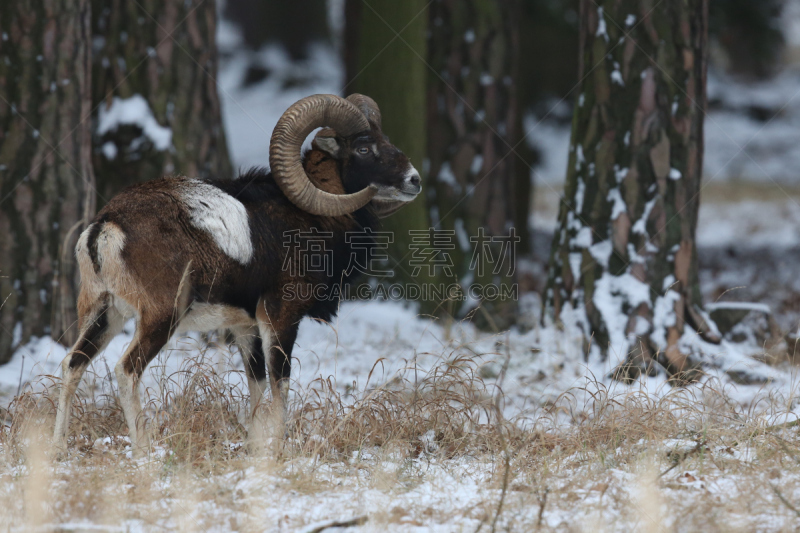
(363, 150)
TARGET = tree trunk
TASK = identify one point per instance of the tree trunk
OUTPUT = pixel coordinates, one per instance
(472, 127)
(350, 42)
(624, 259)
(392, 71)
(161, 56)
(46, 180)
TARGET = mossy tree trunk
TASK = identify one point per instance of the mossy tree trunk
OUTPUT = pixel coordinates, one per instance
(624, 259)
(164, 51)
(46, 180)
(472, 127)
(392, 71)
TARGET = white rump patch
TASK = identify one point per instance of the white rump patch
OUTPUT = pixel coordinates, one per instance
(222, 216)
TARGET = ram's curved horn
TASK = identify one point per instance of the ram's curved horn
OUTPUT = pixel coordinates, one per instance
(284, 153)
(367, 106)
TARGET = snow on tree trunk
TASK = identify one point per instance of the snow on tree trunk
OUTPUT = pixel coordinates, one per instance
(155, 72)
(46, 180)
(624, 259)
(472, 111)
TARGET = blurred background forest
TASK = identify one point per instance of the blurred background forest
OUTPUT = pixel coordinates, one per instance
(100, 94)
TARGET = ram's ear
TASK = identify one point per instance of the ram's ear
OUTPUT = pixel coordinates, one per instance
(327, 144)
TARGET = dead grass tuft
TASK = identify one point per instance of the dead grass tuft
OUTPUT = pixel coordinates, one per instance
(447, 411)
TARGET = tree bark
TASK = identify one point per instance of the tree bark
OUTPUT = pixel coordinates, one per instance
(472, 127)
(165, 51)
(624, 259)
(350, 41)
(392, 71)
(46, 179)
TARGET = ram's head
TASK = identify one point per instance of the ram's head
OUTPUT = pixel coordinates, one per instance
(372, 169)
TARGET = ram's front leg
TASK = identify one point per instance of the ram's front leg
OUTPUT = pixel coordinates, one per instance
(278, 332)
(279, 365)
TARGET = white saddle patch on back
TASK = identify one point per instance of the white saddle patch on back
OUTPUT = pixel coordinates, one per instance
(222, 216)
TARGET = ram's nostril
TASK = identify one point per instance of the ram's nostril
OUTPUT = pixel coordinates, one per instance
(415, 179)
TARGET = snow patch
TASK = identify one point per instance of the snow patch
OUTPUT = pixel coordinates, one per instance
(447, 176)
(583, 239)
(640, 226)
(575, 260)
(579, 159)
(602, 252)
(601, 25)
(477, 164)
(16, 336)
(620, 173)
(579, 194)
(616, 76)
(618, 204)
(134, 111)
(613, 296)
(664, 316)
(462, 235)
(109, 150)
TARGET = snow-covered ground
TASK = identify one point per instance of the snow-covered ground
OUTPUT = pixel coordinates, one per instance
(384, 341)
(629, 489)
(549, 392)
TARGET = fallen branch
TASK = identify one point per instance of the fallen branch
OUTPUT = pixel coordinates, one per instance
(682, 457)
(784, 500)
(358, 521)
(542, 502)
(785, 425)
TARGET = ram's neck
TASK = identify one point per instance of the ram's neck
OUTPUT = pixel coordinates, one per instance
(323, 171)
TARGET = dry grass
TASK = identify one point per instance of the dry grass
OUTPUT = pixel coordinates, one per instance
(433, 450)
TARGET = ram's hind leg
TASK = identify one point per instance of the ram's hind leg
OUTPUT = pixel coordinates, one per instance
(151, 335)
(255, 366)
(100, 323)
